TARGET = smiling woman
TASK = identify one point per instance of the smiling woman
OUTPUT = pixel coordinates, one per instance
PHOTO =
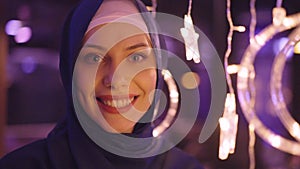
(111, 69)
(121, 91)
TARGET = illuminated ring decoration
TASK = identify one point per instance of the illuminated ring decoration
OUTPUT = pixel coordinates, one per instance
(246, 90)
(174, 99)
(276, 87)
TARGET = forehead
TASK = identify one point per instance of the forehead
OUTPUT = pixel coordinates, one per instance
(108, 35)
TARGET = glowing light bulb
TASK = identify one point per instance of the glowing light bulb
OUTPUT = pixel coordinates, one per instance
(174, 94)
(278, 15)
(232, 69)
(275, 140)
(156, 132)
(296, 130)
(166, 74)
(240, 28)
(297, 48)
(260, 40)
(288, 22)
(244, 73)
(251, 127)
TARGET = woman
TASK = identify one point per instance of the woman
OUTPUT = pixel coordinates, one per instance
(110, 67)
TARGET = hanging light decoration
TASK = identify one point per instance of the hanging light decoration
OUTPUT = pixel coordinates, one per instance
(246, 75)
(174, 99)
(251, 128)
(229, 121)
(190, 37)
(276, 87)
(228, 124)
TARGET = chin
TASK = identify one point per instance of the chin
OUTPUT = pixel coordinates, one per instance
(119, 124)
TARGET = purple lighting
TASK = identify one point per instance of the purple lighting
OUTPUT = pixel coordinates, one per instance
(23, 35)
(28, 65)
(12, 27)
(279, 44)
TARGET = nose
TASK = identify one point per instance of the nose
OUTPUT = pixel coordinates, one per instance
(114, 77)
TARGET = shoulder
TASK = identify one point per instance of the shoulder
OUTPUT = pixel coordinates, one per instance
(31, 156)
(177, 159)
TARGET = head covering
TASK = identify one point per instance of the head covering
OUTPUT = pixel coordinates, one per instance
(114, 11)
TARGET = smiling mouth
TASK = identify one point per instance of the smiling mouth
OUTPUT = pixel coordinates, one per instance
(116, 104)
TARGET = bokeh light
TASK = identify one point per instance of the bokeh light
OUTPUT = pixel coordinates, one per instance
(190, 80)
(28, 65)
(12, 27)
(23, 35)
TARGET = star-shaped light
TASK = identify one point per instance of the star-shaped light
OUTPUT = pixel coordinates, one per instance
(190, 39)
(228, 125)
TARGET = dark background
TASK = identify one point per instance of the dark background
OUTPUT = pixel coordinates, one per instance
(38, 97)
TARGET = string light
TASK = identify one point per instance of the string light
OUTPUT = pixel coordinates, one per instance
(190, 37)
(246, 75)
(174, 99)
(228, 136)
(251, 128)
(251, 146)
(276, 86)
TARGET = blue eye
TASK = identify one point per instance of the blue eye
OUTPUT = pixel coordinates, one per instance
(136, 57)
(92, 58)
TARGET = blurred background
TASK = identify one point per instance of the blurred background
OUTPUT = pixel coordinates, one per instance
(32, 96)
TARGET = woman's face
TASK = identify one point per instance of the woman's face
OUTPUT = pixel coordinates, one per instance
(115, 76)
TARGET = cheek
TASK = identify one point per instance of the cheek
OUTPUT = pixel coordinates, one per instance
(83, 78)
(146, 80)
(83, 89)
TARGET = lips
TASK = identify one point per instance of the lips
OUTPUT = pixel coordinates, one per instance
(115, 104)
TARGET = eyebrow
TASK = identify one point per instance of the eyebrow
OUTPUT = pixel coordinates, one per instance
(132, 47)
(94, 46)
(138, 45)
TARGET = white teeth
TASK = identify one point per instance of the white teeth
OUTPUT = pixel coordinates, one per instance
(118, 103)
(114, 103)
